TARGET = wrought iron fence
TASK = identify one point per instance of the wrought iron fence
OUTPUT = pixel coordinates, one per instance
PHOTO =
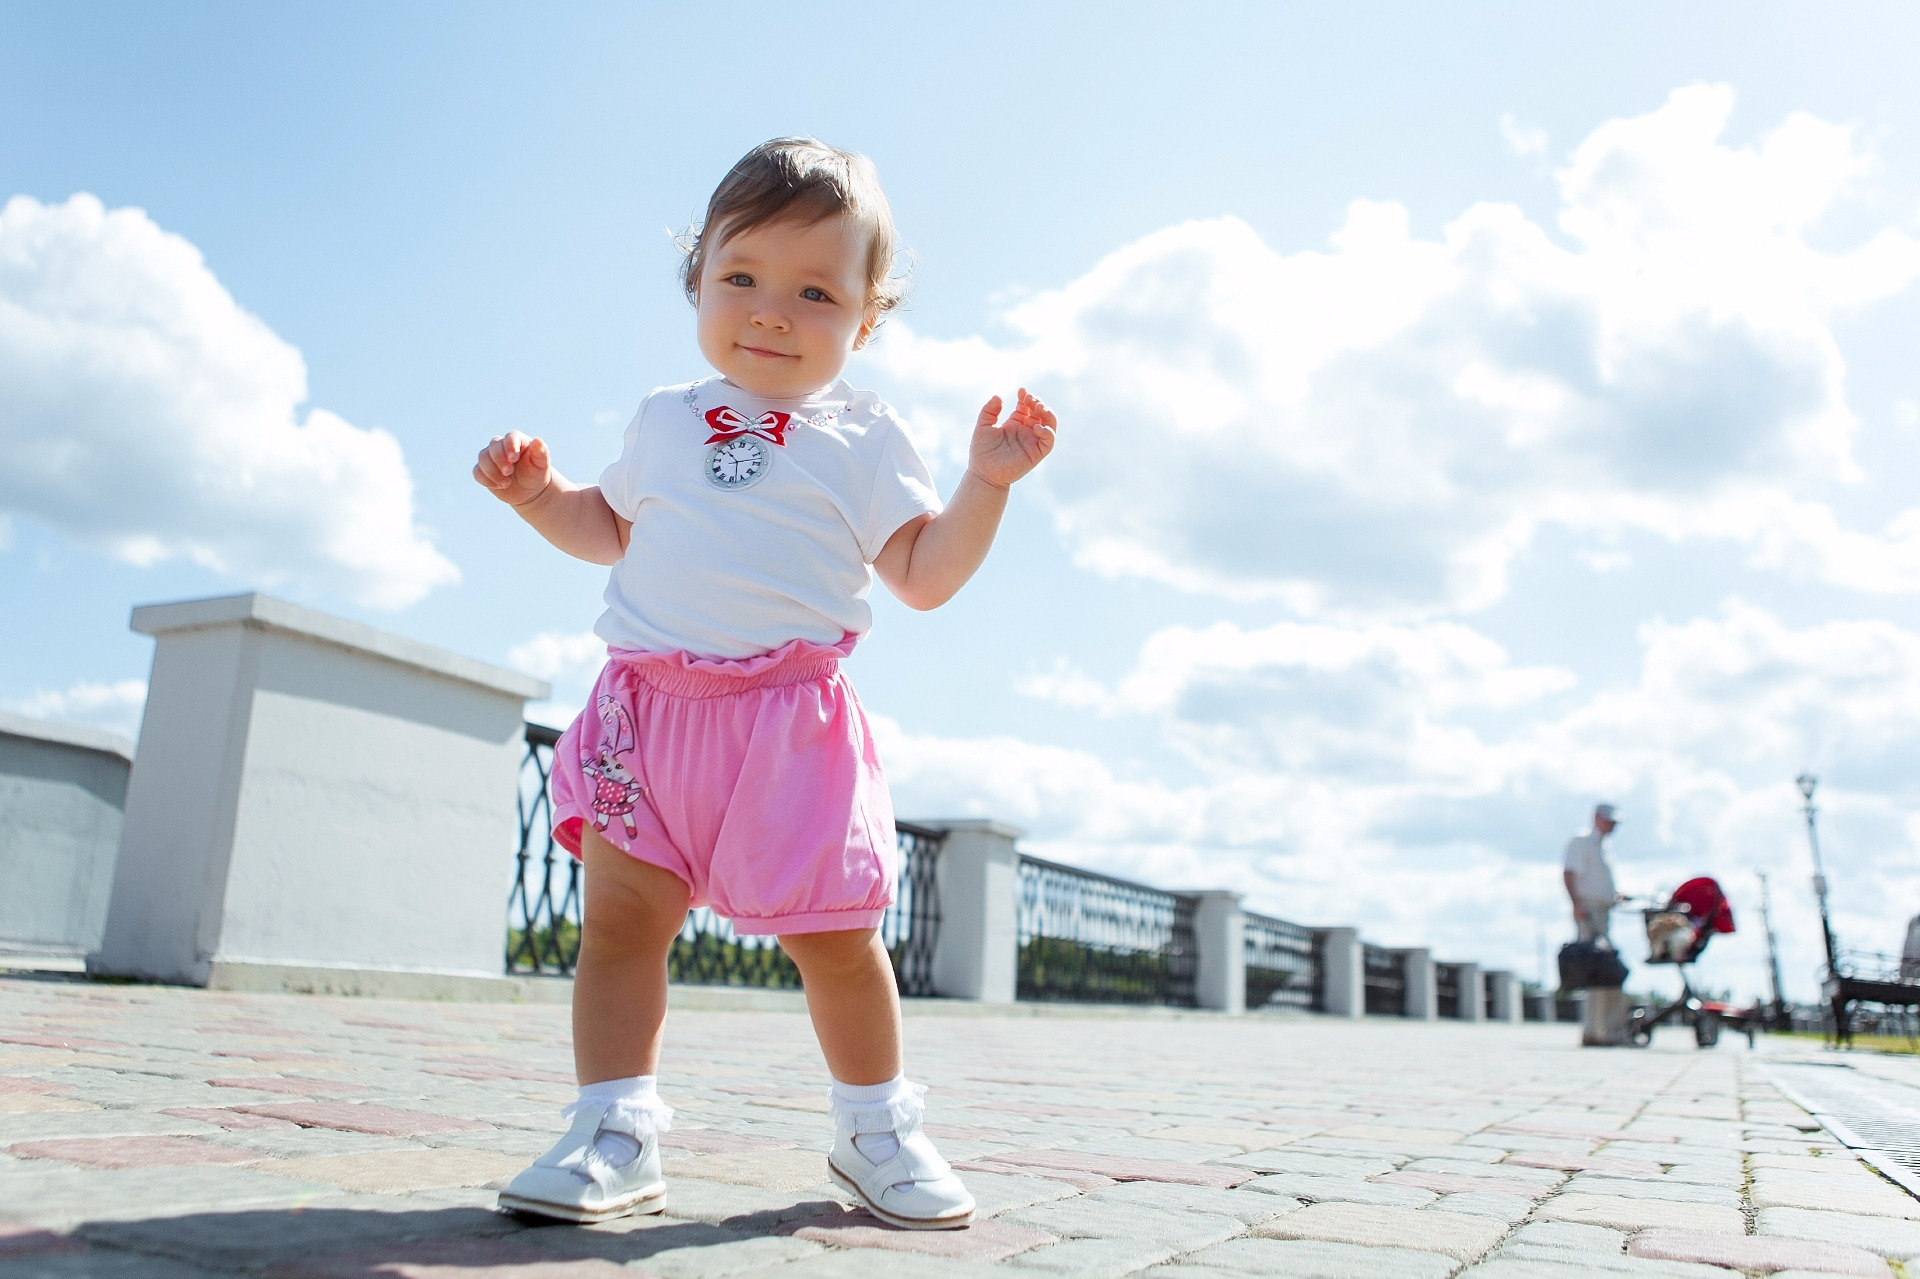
(709, 953)
(1283, 965)
(544, 906)
(1446, 990)
(543, 910)
(1093, 938)
(1386, 980)
(911, 927)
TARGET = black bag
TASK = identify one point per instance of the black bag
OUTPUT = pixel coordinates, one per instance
(1586, 964)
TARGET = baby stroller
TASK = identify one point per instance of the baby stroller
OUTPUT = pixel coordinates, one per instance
(1677, 934)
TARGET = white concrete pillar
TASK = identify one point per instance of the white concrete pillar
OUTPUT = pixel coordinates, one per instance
(977, 953)
(1343, 972)
(311, 795)
(62, 790)
(1473, 993)
(1503, 992)
(1220, 936)
(1423, 999)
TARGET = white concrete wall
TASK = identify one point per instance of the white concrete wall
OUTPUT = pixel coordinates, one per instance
(1343, 973)
(309, 793)
(62, 791)
(977, 955)
(1220, 936)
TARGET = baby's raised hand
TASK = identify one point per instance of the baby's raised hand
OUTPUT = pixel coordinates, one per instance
(1004, 452)
(514, 468)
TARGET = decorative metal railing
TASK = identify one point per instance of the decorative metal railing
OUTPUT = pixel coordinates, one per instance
(1283, 965)
(1386, 980)
(543, 908)
(911, 927)
(1093, 938)
(1446, 990)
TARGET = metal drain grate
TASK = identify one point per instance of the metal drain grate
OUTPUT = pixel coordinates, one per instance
(1876, 1118)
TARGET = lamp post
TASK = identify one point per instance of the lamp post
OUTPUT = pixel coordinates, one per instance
(1777, 1019)
(1806, 782)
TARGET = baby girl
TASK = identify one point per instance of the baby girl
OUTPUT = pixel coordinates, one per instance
(723, 758)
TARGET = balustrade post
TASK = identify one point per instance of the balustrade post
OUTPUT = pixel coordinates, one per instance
(1343, 972)
(1503, 992)
(1220, 936)
(977, 954)
(1473, 994)
(315, 805)
(1423, 996)
(62, 790)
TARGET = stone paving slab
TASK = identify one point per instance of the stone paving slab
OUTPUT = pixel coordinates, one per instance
(185, 1134)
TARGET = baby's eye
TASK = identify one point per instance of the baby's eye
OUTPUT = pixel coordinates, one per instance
(740, 280)
(814, 295)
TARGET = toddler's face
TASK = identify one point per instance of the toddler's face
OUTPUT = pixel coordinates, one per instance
(783, 305)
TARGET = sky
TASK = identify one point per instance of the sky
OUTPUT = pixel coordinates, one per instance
(1469, 413)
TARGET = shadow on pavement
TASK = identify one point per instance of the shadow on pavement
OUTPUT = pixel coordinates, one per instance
(372, 1243)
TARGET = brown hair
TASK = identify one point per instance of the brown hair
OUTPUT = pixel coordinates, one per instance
(807, 180)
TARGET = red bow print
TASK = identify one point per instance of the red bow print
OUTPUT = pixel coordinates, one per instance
(730, 425)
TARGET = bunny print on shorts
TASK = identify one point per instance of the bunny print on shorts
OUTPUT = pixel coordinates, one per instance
(616, 792)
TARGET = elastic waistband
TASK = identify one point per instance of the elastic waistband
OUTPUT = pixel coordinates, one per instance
(685, 675)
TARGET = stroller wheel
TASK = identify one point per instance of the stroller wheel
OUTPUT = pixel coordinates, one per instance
(1706, 1028)
(1640, 1027)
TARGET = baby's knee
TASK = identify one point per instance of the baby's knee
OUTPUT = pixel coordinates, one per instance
(834, 952)
(628, 922)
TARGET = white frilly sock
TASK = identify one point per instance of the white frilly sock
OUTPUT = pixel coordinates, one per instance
(874, 1112)
(633, 1110)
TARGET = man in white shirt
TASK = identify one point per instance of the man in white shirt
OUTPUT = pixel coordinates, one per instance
(1588, 877)
(1589, 883)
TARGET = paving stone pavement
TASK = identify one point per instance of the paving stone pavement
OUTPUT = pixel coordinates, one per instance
(160, 1133)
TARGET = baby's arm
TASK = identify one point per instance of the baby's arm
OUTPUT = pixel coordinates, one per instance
(574, 517)
(930, 558)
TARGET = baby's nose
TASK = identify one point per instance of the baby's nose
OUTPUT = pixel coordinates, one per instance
(770, 319)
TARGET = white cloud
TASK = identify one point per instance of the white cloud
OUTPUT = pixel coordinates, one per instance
(1417, 782)
(1381, 427)
(116, 706)
(146, 415)
(566, 657)
(1525, 139)
(570, 661)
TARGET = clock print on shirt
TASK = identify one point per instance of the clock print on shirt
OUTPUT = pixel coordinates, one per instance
(736, 464)
(737, 453)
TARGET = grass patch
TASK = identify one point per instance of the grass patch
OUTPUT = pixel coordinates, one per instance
(1905, 1045)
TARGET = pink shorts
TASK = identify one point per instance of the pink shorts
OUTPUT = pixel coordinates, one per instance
(755, 781)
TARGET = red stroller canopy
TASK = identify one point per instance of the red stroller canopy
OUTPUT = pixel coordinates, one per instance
(1704, 905)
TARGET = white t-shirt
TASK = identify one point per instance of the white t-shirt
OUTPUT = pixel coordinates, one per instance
(754, 520)
(1592, 877)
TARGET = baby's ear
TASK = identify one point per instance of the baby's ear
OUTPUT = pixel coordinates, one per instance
(868, 324)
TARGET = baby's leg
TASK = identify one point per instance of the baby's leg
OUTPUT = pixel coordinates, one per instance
(879, 1150)
(607, 1164)
(853, 1000)
(632, 912)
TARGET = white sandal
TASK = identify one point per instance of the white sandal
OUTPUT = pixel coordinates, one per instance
(575, 1182)
(915, 1189)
